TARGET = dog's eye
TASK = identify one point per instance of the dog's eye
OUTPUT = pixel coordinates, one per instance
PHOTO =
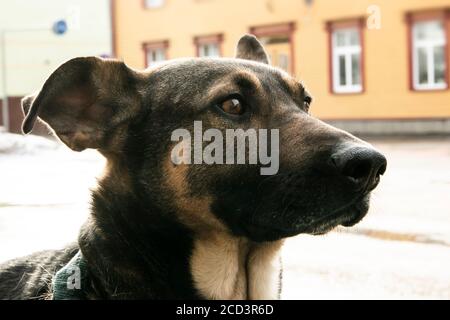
(307, 103)
(233, 106)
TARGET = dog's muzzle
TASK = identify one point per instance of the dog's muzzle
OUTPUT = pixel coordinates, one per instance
(363, 166)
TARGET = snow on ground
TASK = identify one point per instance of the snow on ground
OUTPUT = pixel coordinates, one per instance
(400, 251)
(44, 193)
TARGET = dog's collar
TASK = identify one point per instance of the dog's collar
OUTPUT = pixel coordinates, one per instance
(69, 282)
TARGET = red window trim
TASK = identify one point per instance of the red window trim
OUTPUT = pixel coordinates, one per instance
(276, 30)
(146, 46)
(208, 39)
(113, 12)
(413, 17)
(342, 24)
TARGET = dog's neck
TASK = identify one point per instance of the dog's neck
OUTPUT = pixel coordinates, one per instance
(215, 266)
(226, 267)
(173, 266)
(134, 250)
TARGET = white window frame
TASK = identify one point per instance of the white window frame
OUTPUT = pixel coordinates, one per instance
(346, 51)
(201, 49)
(428, 45)
(149, 52)
(153, 4)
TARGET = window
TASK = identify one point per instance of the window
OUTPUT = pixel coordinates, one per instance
(346, 60)
(155, 53)
(153, 3)
(210, 50)
(279, 50)
(155, 56)
(429, 55)
(209, 46)
(278, 40)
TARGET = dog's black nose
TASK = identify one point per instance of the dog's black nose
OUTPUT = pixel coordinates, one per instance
(363, 165)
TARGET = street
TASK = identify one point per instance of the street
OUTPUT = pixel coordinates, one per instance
(401, 250)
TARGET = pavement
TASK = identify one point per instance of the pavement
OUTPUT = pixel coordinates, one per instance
(401, 250)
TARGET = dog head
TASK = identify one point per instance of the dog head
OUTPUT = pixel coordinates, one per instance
(323, 176)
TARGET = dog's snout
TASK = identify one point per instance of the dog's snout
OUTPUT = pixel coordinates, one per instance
(362, 165)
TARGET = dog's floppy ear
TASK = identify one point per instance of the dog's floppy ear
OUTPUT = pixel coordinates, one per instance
(250, 48)
(85, 101)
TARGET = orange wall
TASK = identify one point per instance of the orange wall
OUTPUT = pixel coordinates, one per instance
(387, 93)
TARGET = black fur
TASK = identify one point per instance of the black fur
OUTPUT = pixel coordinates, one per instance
(31, 277)
(137, 243)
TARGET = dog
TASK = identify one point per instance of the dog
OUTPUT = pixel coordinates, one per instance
(158, 230)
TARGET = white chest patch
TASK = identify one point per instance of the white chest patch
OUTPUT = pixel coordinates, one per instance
(229, 268)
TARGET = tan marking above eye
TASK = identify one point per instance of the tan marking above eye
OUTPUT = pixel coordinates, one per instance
(233, 106)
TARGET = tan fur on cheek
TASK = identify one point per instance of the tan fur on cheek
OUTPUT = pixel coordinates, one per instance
(194, 212)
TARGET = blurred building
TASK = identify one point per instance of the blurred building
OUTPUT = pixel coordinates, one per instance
(33, 50)
(372, 69)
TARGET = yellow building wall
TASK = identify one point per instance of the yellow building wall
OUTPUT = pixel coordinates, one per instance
(386, 95)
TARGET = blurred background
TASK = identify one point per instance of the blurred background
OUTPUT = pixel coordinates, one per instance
(379, 69)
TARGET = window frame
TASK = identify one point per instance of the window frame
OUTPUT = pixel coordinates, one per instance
(282, 29)
(147, 7)
(216, 39)
(155, 45)
(202, 46)
(334, 52)
(413, 19)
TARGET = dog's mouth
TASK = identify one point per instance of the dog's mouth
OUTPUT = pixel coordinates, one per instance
(347, 216)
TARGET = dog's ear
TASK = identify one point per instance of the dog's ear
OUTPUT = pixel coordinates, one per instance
(250, 48)
(86, 101)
